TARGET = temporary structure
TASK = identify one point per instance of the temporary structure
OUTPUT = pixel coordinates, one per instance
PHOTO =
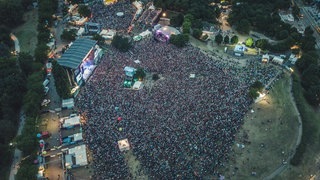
(124, 145)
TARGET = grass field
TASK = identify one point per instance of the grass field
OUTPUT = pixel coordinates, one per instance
(310, 164)
(268, 134)
(27, 32)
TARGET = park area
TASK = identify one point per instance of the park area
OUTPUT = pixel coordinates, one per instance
(309, 167)
(27, 32)
(267, 137)
(263, 144)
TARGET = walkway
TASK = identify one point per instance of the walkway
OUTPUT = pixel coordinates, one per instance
(285, 165)
(16, 43)
(17, 153)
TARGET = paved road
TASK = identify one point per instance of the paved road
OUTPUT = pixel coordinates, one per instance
(17, 153)
(285, 165)
(308, 20)
(16, 42)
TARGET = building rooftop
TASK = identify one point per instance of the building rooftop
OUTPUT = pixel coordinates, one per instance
(76, 53)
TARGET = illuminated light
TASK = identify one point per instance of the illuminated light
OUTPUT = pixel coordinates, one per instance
(164, 14)
(74, 89)
(261, 95)
(294, 47)
(291, 70)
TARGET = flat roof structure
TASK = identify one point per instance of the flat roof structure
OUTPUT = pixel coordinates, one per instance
(239, 48)
(73, 121)
(137, 85)
(77, 137)
(265, 58)
(76, 52)
(80, 155)
(168, 30)
(68, 103)
(123, 145)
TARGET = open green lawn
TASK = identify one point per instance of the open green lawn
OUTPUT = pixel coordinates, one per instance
(269, 135)
(310, 164)
(27, 32)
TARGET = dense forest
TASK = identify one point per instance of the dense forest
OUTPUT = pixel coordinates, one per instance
(12, 79)
(262, 16)
(200, 9)
(21, 83)
(259, 15)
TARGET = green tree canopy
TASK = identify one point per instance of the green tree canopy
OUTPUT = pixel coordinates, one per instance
(258, 85)
(176, 21)
(197, 33)
(283, 34)
(244, 26)
(255, 88)
(140, 74)
(179, 40)
(26, 63)
(306, 60)
(100, 40)
(234, 39)
(69, 35)
(27, 172)
(123, 44)
(226, 39)
(312, 95)
(253, 93)
(11, 13)
(249, 42)
(218, 39)
(62, 84)
(262, 43)
(186, 26)
(41, 53)
(311, 77)
(84, 11)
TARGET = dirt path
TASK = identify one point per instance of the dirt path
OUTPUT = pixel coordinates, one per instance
(134, 166)
(17, 153)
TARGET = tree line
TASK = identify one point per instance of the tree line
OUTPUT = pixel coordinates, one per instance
(21, 80)
(12, 81)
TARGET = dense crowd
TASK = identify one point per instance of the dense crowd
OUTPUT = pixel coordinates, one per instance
(178, 127)
(149, 16)
(107, 15)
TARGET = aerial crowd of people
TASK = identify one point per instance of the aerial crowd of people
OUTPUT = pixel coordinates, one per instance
(178, 126)
(109, 17)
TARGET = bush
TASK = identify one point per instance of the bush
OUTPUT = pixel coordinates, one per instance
(234, 40)
(140, 74)
(179, 40)
(68, 35)
(186, 27)
(197, 33)
(177, 21)
(262, 43)
(121, 43)
(226, 39)
(249, 42)
(155, 77)
(218, 39)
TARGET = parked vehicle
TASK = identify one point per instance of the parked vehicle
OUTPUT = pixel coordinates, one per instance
(45, 83)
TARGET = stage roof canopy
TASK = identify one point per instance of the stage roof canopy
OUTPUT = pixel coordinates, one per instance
(76, 53)
(168, 30)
